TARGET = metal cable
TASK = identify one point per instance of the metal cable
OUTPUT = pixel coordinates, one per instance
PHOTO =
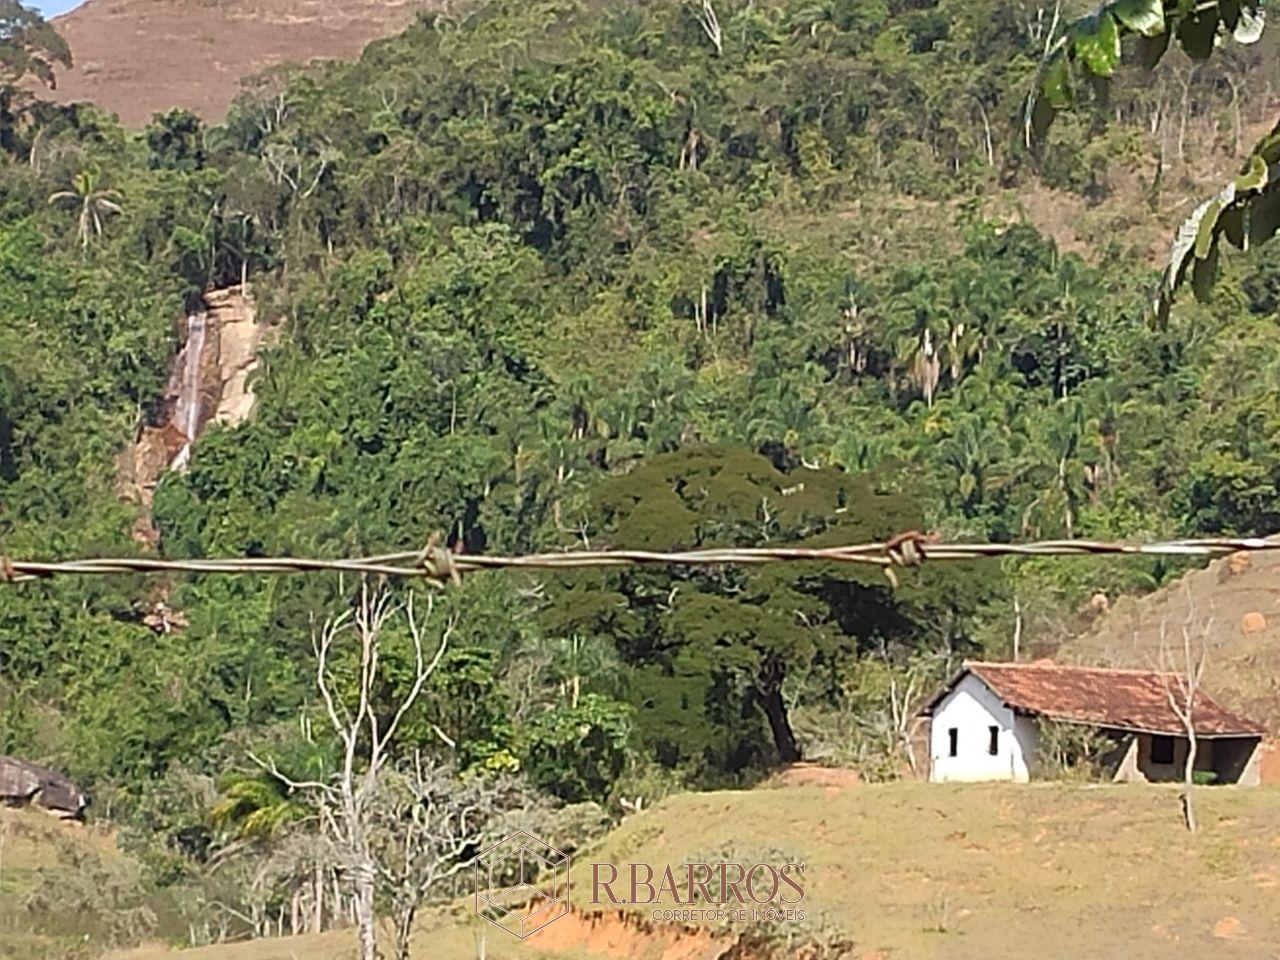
(437, 563)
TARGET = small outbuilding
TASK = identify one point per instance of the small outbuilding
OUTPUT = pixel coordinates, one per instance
(986, 724)
(27, 784)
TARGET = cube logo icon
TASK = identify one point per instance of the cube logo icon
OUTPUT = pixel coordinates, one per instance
(522, 884)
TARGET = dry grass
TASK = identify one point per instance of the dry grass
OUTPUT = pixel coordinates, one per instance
(926, 870)
(32, 842)
(1243, 668)
(139, 57)
(920, 870)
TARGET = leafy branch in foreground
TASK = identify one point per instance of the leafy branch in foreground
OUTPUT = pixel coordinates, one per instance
(1246, 211)
(1084, 59)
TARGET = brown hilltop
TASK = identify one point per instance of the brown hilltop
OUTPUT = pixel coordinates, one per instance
(140, 57)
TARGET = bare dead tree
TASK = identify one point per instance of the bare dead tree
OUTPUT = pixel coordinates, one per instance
(903, 720)
(1038, 26)
(888, 721)
(348, 802)
(425, 825)
(988, 140)
(1181, 673)
(285, 164)
(711, 26)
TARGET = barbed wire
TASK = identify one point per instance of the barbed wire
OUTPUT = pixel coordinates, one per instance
(438, 564)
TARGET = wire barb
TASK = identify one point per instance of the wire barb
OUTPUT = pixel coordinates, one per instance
(438, 562)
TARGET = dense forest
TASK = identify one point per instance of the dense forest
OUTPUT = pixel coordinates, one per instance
(559, 273)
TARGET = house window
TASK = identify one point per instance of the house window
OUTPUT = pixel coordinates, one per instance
(1162, 749)
(993, 743)
(953, 735)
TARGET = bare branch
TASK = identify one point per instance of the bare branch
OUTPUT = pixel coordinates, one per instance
(421, 672)
(711, 26)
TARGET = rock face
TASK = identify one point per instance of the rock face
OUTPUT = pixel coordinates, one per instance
(136, 58)
(239, 338)
(23, 784)
(208, 381)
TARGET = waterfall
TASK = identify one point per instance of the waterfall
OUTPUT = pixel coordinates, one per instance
(186, 413)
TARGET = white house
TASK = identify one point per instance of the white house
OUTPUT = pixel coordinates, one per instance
(985, 723)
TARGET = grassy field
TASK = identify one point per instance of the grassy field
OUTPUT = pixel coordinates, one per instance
(914, 870)
(49, 871)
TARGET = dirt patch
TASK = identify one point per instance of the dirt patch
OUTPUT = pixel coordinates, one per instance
(814, 775)
(1228, 928)
(620, 934)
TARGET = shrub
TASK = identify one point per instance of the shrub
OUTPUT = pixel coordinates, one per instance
(1070, 751)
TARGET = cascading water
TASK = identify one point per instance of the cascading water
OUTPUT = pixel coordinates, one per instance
(186, 412)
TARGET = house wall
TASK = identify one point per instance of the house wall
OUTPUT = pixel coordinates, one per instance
(971, 709)
(1025, 734)
(1127, 768)
(1234, 759)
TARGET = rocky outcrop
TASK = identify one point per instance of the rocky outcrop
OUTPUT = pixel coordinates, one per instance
(240, 336)
(208, 382)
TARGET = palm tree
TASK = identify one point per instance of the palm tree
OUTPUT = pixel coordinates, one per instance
(919, 353)
(257, 808)
(1057, 455)
(94, 203)
(973, 453)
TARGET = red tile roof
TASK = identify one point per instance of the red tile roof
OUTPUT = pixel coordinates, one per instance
(1136, 700)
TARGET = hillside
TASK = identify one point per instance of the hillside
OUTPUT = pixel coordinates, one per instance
(139, 57)
(1079, 871)
(1232, 609)
(570, 274)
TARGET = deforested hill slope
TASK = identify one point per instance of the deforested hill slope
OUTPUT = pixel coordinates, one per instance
(1232, 608)
(139, 57)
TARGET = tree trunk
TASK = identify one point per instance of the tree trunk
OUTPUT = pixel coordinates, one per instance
(770, 699)
(404, 930)
(1188, 781)
(317, 916)
(366, 922)
(1017, 629)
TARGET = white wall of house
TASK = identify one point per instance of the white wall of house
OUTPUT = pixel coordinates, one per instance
(965, 720)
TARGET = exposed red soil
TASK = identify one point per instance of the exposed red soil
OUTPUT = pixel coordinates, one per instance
(1269, 772)
(621, 934)
(814, 775)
